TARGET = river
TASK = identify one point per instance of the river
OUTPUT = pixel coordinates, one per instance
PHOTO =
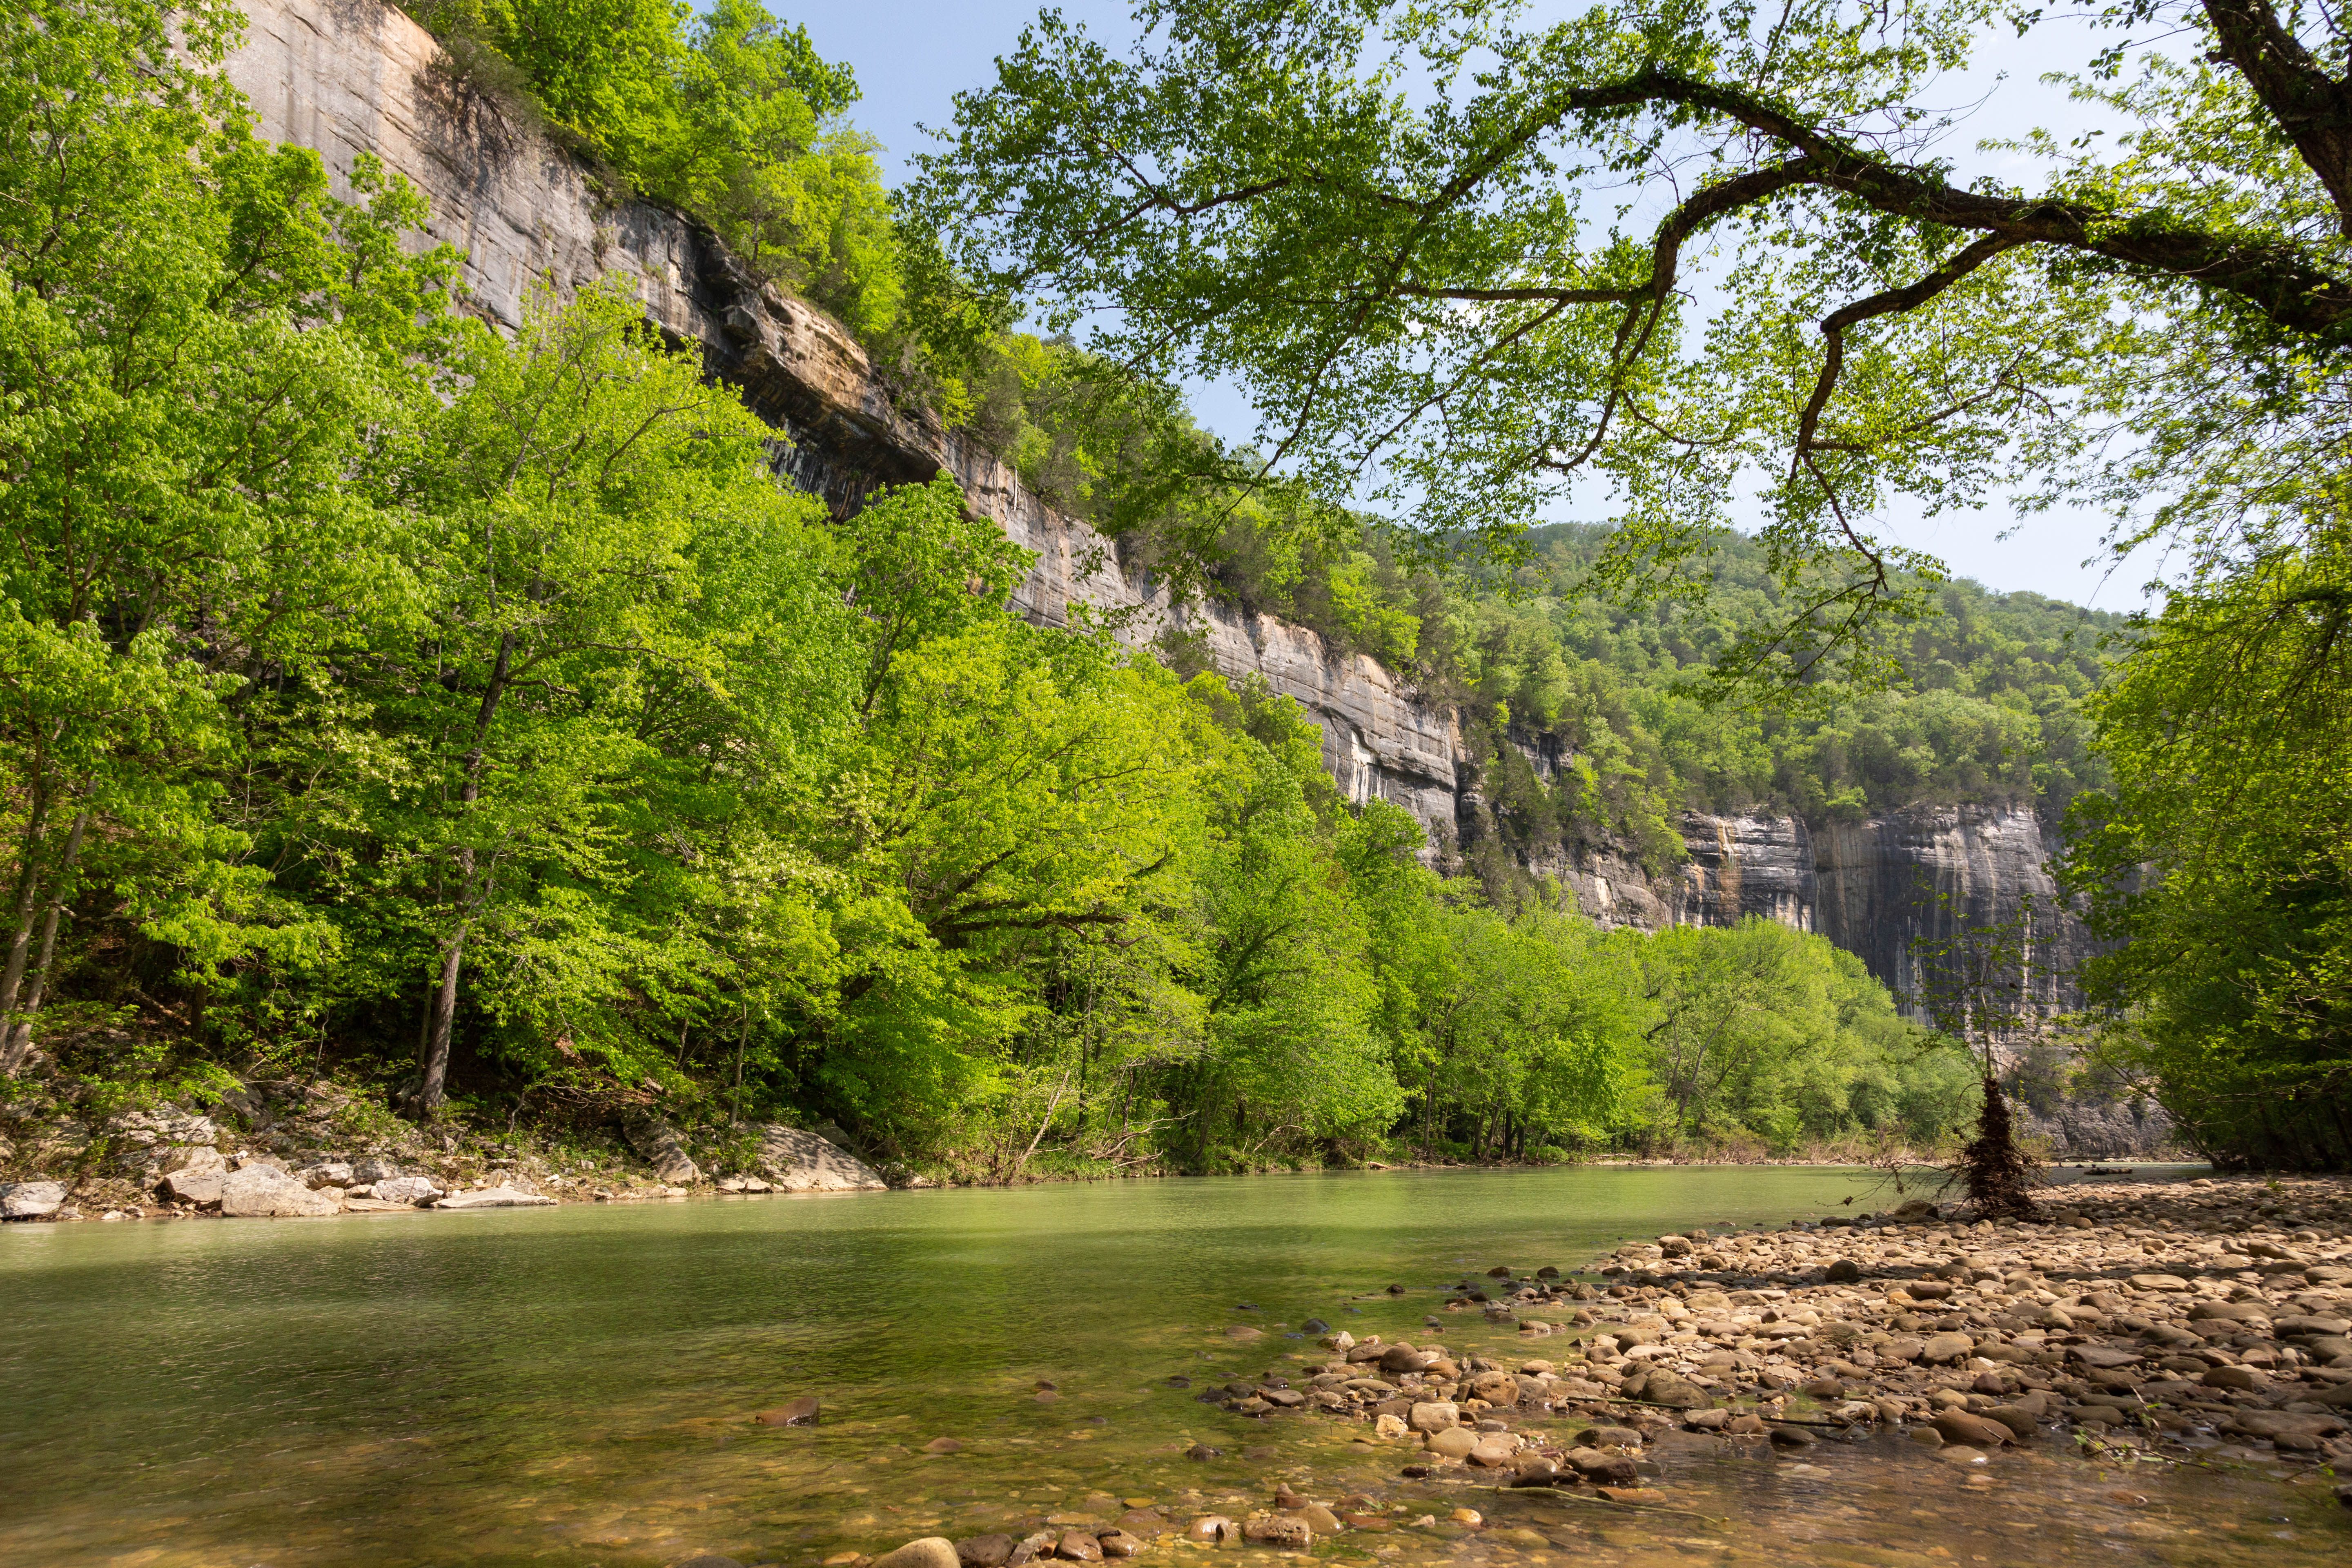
(574, 1386)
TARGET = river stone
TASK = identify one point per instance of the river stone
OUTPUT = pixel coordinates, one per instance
(984, 1551)
(265, 1192)
(1948, 1347)
(1675, 1392)
(1075, 1546)
(706, 1560)
(1494, 1451)
(1143, 1522)
(30, 1200)
(2239, 1377)
(494, 1198)
(930, 1552)
(1433, 1416)
(1119, 1543)
(1975, 1431)
(364, 1172)
(1844, 1271)
(1603, 1468)
(801, 1412)
(1454, 1443)
(1280, 1530)
(202, 1188)
(1214, 1528)
(1405, 1359)
(2159, 1282)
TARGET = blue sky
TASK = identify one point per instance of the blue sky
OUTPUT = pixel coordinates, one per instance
(913, 56)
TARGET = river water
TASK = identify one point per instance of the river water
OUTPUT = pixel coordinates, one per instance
(574, 1386)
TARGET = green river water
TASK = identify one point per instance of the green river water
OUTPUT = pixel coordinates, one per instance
(573, 1386)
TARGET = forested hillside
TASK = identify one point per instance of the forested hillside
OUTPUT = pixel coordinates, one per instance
(478, 723)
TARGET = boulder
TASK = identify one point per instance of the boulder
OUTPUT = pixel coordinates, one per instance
(202, 1188)
(30, 1200)
(665, 1149)
(195, 1158)
(374, 1170)
(265, 1192)
(930, 1552)
(494, 1198)
(802, 1161)
(408, 1189)
(326, 1173)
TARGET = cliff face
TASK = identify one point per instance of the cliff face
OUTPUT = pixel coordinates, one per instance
(345, 77)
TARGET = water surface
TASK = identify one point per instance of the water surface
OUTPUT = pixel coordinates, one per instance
(573, 1386)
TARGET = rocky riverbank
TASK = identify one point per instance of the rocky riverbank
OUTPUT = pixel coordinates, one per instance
(2197, 1321)
(277, 1151)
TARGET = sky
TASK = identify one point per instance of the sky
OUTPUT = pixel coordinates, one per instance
(912, 57)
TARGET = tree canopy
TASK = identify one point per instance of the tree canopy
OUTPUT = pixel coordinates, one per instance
(1463, 260)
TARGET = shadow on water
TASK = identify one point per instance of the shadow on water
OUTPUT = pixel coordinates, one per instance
(574, 1386)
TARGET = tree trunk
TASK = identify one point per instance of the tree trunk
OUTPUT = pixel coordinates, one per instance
(1999, 1178)
(435, 1065)
(28, 884)
(20, 1037)
(432, 1094)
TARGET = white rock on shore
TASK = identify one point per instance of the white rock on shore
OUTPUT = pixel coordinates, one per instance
(30, 1200)
(493, 1198)
(257, 1191)
(799, 1161)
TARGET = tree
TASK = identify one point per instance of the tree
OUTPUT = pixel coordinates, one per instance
(2219, 866)
(1422, 290)
(198, 348)
(1982, 986)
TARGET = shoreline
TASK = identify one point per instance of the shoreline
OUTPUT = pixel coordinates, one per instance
(202, 1188)
(2176, 1320)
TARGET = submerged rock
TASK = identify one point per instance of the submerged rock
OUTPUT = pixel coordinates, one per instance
(930, 1552)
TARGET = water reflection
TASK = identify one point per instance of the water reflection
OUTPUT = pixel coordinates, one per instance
(574, 1386)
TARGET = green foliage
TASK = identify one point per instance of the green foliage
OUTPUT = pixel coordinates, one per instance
(730, 115)
(2220, 860)
(1471, 301)
(482, 718)
(1771, 1033)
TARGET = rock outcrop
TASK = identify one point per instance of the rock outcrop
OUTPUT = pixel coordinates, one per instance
(799, 1161)
(346, 77)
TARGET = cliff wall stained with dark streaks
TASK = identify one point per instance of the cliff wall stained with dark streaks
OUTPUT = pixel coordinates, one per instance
(350, 76)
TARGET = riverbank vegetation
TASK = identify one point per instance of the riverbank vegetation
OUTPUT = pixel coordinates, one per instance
(1416, 294)
(476, 721)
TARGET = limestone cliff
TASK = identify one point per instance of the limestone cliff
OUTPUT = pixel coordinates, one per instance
(350, 76)
(346, 77)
